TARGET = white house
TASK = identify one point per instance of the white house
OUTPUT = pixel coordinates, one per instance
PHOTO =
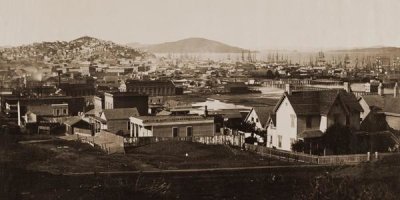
(307, 114)
(259, 116)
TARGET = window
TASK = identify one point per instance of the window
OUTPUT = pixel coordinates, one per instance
(129, 126)
(58, 112)
(309, 122)
(292, 120)
(256, 119)
(189, 131)
(175, 132)
(280, 141)
(252, 119)
(270, 140)
(65, 111)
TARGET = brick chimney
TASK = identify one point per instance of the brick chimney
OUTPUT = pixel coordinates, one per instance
(396, 90)
(288, 88)
(380, 89)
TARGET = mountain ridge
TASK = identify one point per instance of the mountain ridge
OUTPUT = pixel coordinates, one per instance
(189, 45)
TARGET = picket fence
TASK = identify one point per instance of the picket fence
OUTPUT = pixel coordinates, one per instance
(314, 159)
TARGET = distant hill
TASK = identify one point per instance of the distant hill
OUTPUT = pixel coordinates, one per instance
(190, 45)
(371, 51)
(84, 48)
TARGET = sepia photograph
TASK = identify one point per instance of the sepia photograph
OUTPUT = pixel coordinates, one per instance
(199, 99)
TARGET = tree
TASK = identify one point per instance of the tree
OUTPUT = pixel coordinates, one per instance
(248, 127)
(338, 139)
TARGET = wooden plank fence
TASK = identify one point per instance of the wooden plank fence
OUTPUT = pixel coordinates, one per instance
(314, 159)
(232, 140)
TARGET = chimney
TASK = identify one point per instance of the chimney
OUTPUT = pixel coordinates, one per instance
(288, 88)
(380, 89)
(396, 90)
(346, 86)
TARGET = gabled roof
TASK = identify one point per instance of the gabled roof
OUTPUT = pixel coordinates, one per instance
(386, 104)
(72, 120)
(319, 102)
(263, 113)
(374, 101)
(120, 113)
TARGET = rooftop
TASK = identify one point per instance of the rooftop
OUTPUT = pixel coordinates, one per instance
(120, 113)
(320, 102)
(161, 118)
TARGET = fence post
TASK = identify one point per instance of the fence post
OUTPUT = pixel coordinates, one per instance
(368, 156)
(376, 155)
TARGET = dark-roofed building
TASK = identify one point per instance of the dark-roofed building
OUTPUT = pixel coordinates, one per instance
(307, 114)
(380, 112)
(151, 88)
(76, 125)
(114, 100)
(115, 120)
(171, 126)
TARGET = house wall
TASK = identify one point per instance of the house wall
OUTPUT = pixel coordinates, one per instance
(271, 132)
(139, 102)
(393, 121)
(283, 126)
(118, 125)
(366, 109)
(206, 129)
(302, 123)
(252, 117)
(336, 110)
(355, 120)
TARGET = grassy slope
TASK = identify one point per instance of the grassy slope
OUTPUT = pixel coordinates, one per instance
(172, 155)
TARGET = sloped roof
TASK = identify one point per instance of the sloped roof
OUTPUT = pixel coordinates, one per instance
(310, 134)
(387, 104)
(72, 120)
(319, 102)
(392, 105)
(120, 113)
(263, 113)
(376, 101)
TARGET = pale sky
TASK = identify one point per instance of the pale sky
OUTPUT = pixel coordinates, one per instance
(256, 24)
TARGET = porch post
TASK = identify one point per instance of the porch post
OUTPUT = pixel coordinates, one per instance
(130, 129)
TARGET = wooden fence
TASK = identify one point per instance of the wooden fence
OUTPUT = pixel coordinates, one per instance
(233, 140)
(314, 159)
